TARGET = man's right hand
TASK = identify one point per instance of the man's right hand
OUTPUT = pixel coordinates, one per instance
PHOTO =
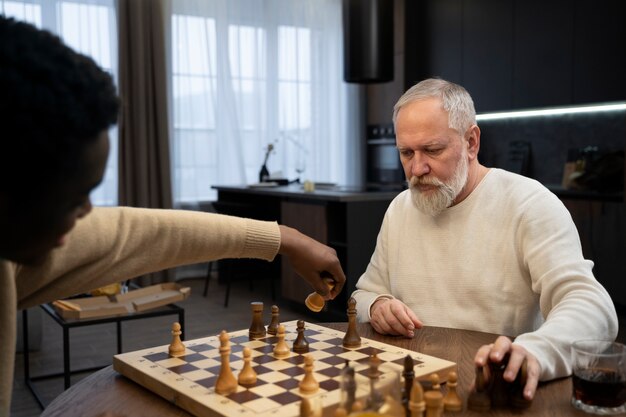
(392, 316)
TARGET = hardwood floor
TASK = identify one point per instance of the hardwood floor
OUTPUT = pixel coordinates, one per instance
(95, 345)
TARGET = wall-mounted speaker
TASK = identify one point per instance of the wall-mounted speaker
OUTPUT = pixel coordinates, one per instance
(368, 41)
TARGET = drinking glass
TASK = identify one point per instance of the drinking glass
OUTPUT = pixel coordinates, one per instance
(599, 376)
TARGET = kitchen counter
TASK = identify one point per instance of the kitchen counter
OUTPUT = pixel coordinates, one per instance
(323, 192)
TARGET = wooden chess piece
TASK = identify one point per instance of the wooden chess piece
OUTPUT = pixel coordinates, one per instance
(273, 326)
(247, 375)
(340, 412)
(281, 350)
(351, 338)
(498, 387)
(226, 382)
(357, 406)
(316, 302)
(347, 385)
(452, 401)
(479, 399)
(300, 345)
(434, 403)
(434, 381)
(517, 399)
(417, 405)
(308, 385)
(176, 348)
(257, 328)
(305, 408)
(408, 373)
(375, 399)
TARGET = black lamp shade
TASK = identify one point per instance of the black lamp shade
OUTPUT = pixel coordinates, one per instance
(368, 41)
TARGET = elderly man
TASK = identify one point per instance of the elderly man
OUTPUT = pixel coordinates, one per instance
(478, 248)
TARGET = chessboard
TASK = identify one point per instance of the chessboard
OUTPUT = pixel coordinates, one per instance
(189, 380)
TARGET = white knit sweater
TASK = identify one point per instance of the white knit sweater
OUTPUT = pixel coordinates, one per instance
(506, 260)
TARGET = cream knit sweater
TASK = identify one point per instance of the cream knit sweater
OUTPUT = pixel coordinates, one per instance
(506, 260)
(114, 244)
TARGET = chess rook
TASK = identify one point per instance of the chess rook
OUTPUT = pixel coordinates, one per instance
(257, 328)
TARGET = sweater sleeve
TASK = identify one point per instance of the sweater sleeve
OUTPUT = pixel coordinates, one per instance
(573, 303)
(115, 244)
(374, 283)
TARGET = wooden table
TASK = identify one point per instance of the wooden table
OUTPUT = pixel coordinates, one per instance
(106, 390)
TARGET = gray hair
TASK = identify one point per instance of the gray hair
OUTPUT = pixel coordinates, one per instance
(455, 99)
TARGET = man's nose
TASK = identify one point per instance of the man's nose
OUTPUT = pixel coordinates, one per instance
(419, 165)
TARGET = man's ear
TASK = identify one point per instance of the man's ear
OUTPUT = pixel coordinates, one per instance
(473, 141)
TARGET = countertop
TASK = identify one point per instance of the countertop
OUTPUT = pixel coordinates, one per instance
(322, 192)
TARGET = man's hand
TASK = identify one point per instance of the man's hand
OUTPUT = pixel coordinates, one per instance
(391, 316)
(313, 261)
(495, 352)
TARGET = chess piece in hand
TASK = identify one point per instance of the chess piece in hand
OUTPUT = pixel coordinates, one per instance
(313, 261)
(517, 356)
(315, 302)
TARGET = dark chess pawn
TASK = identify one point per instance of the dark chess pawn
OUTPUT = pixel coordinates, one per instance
(273, 326)
(300, 345)
(408, 374)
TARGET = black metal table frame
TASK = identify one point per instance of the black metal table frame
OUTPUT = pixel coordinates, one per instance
(169, 309)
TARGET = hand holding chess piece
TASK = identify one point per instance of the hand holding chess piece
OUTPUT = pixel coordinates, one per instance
(315, 302)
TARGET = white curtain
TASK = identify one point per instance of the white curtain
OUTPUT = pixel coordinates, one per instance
(89, 27)
(248, 73)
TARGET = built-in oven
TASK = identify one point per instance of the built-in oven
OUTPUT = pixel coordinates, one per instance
(383, 162)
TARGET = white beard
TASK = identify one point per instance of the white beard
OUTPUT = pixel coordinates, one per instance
(435, 201)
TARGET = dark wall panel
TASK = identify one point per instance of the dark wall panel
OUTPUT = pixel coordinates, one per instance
(543, 55)
(488, 52)
(599, 66)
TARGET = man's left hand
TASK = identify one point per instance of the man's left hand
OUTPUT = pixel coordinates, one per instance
(496, 351)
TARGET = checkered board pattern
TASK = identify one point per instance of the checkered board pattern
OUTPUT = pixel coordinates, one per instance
(189, 380)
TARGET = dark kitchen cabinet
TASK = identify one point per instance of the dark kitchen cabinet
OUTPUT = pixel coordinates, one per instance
(514, 54)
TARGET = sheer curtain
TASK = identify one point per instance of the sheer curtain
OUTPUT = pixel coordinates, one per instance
(248, 73)
(87, 26)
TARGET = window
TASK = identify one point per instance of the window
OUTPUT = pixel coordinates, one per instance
(88, 27)
(248, 74)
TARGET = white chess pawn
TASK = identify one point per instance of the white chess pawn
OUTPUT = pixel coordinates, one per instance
(281, 350)
(176, 348)
(308, 385)
(247, 376)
